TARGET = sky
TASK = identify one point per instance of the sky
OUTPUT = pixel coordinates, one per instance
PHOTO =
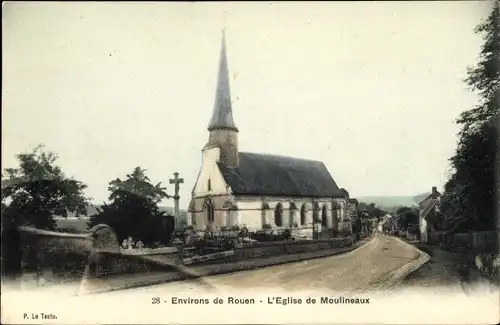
(372, 89)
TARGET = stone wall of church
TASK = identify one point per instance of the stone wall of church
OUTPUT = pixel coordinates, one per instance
(198, 212)
(252, 214)
(255, 212)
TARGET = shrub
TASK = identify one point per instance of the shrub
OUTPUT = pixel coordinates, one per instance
(267, 226)
(489, 264)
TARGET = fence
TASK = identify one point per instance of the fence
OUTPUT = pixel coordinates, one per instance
(478, 241)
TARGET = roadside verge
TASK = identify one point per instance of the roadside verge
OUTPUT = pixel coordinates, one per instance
(397, 276)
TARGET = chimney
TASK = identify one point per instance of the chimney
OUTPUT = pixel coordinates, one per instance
(434, 192)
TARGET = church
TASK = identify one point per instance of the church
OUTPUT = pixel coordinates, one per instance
(254, 190)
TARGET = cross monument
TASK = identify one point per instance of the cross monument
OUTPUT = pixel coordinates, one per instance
(176, 180)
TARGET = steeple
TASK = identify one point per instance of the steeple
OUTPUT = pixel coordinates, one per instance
(222, 116)
(223, 133)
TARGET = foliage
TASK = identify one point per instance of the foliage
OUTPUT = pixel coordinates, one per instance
(233, 228)
(38, 190)
(357, 226)
(407, 216)
(372, 211)
(484, 78)
(345, 233)
(265, 236)
(267, 226)
(243, 232)
(489, 264)
(134, 210)
(469, 198)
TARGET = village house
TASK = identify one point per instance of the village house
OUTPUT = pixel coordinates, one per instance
(255, 190)
(353, 208)
(428, 209)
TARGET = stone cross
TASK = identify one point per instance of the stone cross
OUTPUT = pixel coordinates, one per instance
(176, 180)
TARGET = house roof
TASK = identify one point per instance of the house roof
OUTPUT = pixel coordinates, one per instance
(423, 197)
(262, 174)
(353, 200)
(432, 204)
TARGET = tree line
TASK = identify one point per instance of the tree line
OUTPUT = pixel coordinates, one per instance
(468, 201)
(38, 191)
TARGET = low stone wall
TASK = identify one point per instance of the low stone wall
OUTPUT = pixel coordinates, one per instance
(61, 254)
(287, 247)
(107, 264)
(149, 251)
(114, 264)
(69, 255)
(268, 249)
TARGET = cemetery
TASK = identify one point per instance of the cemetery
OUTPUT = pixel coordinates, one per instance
(100, 254)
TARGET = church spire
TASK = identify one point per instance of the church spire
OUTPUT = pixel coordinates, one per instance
(222, 116)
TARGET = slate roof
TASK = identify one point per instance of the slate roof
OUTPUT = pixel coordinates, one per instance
(262, 174)
(422, 197)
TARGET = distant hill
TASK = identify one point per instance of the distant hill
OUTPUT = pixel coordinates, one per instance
(92, 209)
(80, 224)
(389, 202)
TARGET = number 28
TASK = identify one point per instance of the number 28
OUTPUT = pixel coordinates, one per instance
(155, 300)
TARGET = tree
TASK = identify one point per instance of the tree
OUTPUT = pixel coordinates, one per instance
(357, 226)
(469, 198)
(38, 190)
(407, 216)
(484, 78)
(134, 210)
(403, 210)
(372, 210)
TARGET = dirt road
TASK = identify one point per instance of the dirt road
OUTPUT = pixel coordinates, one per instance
(356, 270)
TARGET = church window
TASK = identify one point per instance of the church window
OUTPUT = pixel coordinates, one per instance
(209, 185)
(335, 213)
(209, 211)
(278, 215)
(315, 213)
(303, 215)
(323, 216)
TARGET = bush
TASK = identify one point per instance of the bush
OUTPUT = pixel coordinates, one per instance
(489, 264)
(267, 226)
(345, 233)
(263, 236)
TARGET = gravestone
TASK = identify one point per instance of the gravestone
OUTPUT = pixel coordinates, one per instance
(105, 238)
(209, 233)
(105, 241)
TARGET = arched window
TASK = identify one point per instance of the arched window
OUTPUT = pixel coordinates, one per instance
(292, 210)
(335, 215)
(303, 215)
(209, 211)
(323, 217)
(278, 215)
(209, 185)
(315, 212)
